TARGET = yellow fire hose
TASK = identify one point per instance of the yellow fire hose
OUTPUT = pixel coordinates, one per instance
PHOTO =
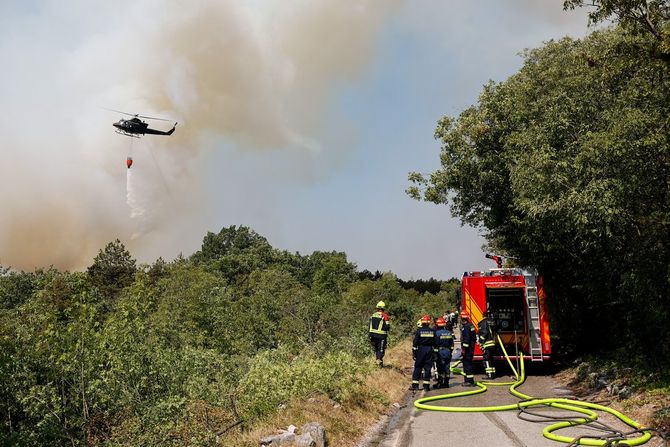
(585, 408)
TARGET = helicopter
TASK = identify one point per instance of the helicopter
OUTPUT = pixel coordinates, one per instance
(135, 127)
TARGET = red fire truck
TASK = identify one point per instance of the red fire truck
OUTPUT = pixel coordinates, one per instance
(516, 302)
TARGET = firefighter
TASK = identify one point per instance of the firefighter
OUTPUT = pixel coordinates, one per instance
(444, 345)
(450, 319)
(422, 352)
(485, 338)
(378, 331)
(468, 340)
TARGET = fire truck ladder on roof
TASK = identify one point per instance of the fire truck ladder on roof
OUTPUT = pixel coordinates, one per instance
(534, 340)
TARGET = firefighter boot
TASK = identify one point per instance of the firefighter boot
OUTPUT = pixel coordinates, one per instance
(469, 381)
(446, 382)
(426, 386)
(414, 386)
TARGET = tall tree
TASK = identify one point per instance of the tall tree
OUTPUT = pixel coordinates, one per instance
(334, 275)
(112, 269)
(565, 165)
(637, 16)
(229, 239)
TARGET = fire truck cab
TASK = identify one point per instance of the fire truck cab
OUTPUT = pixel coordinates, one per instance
(516, 303)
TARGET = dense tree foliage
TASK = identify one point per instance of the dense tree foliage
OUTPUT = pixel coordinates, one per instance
(113, 269)
(565, 165)
(185, 352)
(636, 16)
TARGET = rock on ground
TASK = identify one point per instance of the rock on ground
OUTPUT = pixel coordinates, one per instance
(312, 435)
(317, 431)
(282, 440)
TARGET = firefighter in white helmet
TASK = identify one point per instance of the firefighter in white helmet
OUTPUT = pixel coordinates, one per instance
(378, 331)
(485, 338)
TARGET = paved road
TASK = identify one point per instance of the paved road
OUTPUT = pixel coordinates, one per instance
(500, 429)
(421, 428)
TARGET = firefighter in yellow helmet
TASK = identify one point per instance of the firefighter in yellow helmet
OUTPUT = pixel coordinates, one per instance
(378, 331)
(422, 352)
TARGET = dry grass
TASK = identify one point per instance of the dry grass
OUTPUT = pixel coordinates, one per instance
(651, 408)
(348, 421)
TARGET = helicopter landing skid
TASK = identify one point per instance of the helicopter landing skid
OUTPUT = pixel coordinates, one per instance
(127, 134)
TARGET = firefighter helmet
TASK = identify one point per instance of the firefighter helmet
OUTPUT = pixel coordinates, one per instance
(418, 322)
(464, 315)
(425, 319)
(381, 305)
(440, 322)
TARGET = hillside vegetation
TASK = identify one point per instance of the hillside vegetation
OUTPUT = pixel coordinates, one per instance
(191, 352)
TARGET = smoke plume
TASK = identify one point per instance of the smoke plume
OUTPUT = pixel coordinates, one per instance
(257, 76)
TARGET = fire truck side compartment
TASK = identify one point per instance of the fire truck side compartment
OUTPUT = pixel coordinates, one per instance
(507, 307)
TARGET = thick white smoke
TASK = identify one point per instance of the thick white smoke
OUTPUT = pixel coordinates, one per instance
(255, 75)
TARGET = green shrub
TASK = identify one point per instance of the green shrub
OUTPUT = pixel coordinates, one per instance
(275, 377)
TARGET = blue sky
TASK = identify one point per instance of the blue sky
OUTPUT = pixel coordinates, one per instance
(300, 120)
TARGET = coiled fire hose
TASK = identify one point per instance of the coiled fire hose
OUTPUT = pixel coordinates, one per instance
(584, 408)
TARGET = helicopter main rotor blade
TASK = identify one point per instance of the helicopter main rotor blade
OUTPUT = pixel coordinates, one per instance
(118, 111)
(152, 118)
(138, 116)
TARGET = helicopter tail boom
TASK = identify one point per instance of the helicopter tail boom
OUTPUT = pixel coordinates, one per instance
(159, 132)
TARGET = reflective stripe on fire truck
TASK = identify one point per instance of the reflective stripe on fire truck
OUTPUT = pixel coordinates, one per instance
(544, 321)
(476, 314)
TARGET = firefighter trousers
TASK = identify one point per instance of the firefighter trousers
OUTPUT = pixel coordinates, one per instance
(379, 346)
(422, 362)
(489, 367)
(442, 364)
(468, 367)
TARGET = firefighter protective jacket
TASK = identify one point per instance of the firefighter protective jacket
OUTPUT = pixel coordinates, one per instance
(485, 334)
(468, 336)
(379, 325)
(423, 337)
(444, 339)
